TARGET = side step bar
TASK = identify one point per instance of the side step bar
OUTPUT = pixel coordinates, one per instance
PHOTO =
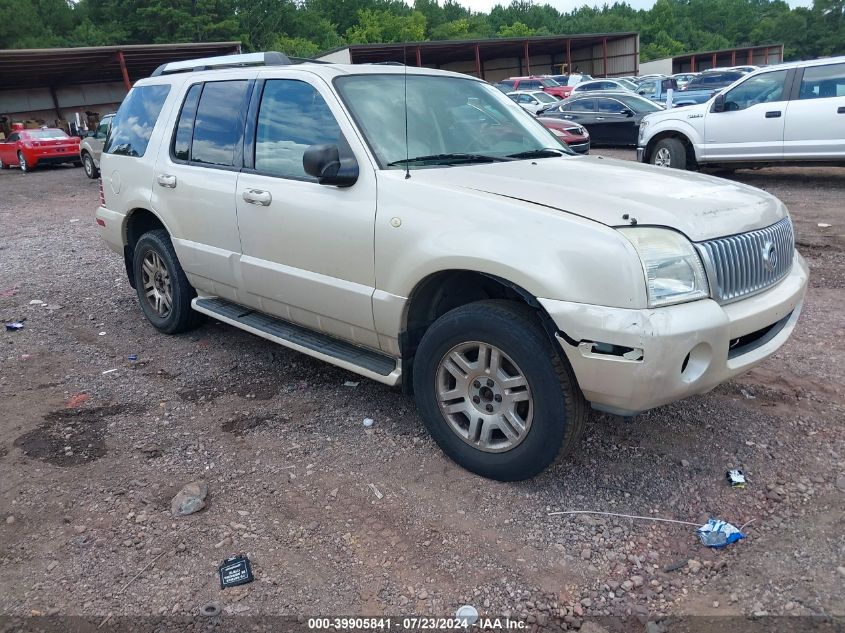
(366, 362)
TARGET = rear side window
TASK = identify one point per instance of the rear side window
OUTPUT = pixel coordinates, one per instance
(185, 126)
(822, 82)
(292, 117)
(219, 123)
(133, 124)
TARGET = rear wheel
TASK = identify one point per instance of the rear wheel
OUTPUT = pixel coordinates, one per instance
(88, 163)
(4, 165)
(493, 392)
(669, 152)
(161, 284)
(25, 166)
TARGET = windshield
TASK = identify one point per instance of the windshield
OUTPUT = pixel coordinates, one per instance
(549, 83)
(638, 104)
(47, 134)
(630, 85)
(446, 116)
(545, 97)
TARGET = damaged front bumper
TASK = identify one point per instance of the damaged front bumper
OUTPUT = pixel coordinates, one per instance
(628, 361)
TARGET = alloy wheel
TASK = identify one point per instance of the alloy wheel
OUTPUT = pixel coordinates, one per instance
(89, 166)
(22, 162)
(663, 157)
(484, 396)
(156, 284)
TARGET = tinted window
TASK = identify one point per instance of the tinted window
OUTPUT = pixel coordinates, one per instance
(609, 105)
(103, 128)
(764, 88)
(549, 83)
(133, 124)
(185, 126)
(529, 85)
(583, 105)
(219, 123)
(292, 117)
(47, 134)
(14, 137)
(821, 82)
(639, 104)
(545, 97)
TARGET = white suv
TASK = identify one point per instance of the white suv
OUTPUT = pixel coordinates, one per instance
(418, 226)
(787, 114)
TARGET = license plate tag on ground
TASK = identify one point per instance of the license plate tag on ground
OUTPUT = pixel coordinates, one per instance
(235, 571)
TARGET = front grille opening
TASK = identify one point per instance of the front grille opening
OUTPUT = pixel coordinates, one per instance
(758, 338)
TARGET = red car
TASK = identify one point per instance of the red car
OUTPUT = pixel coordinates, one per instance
(546, 84)
(574, 135)
(46, 145)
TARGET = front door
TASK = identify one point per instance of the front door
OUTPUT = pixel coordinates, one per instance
(751, 126)
(815, 119)
(308, 253)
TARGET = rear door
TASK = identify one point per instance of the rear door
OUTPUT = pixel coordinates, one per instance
(752, 124)
(194, 183)
(617, 127)
(815, 117)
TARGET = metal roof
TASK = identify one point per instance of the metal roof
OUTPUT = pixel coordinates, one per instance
(54, 67)
(444, 51)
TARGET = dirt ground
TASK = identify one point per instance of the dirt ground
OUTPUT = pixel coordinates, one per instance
(339, 519)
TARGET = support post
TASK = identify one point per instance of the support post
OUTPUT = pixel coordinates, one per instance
(527, 58)
(55, 102)
(120, 58)
(604, 53)
(750, 56)
(733, 58)
(692, 64)
(714, 61)
(419, 57)
(568, 56)
(478, 72)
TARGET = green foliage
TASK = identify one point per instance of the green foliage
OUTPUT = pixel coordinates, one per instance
(306, 27)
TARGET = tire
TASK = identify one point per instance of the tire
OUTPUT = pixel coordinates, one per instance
(554, 411)
(669, 152)
(155, 250)
(90, 168)
(4, 165)
(25, 166)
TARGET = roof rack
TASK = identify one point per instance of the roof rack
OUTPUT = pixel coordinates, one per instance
(270, 58)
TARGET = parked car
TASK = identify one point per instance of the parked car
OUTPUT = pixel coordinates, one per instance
(347, 212)
(612, 118)
(546, 84)
(713, 80)
(576, 137)
(533, 101)
(92, 146)
(683, 79)
(653, 89)
(571, 80)
(45, 146)
(745, 69)
(791, 113)
(604, 84)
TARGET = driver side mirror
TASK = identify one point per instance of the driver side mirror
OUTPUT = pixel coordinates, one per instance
(641, 91)
(719, 103)
(324, 163)
(627, 112)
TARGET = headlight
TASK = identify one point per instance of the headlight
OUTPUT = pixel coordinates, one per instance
(672, 267)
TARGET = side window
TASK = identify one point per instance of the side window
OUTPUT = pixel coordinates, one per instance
(292, 116)
(13, 138)
(219, 123)
(584, 105)
(181, 149)
(103, 128)
(764, 88)
(823, 82)
(649, 88)
(133, 124)
(607, 106)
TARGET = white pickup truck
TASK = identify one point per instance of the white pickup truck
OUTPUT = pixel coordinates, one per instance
(787, 114)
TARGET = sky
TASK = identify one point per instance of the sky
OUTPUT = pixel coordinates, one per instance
(568, 5)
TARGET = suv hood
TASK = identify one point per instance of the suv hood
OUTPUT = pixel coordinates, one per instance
(600, 189)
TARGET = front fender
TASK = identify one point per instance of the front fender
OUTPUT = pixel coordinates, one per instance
(678, 127)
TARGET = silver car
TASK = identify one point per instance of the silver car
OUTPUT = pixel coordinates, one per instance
(92, 146)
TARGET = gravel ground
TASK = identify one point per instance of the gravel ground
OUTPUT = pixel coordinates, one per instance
(342, 519)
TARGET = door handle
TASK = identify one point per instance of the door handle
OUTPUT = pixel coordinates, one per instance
(166, 180)
(599, 118)
(840, 110)
(257, 196)
(773, 114)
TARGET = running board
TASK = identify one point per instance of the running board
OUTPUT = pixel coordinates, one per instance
(366, 362)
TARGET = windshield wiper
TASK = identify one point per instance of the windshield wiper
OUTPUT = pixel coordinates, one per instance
(446, 159)
(544, 152)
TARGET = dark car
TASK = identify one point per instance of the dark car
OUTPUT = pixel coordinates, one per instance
(612, 118)
(714, 79)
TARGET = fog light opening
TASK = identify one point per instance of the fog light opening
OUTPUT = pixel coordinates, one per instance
(696, 362)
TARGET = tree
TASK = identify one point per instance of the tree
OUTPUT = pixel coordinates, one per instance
(517, 29)
(376, 26)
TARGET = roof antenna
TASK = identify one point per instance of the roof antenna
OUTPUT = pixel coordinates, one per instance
(407, 148)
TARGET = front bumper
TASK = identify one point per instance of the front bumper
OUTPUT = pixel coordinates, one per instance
(676, 351)
(582, 147)
(641, 154)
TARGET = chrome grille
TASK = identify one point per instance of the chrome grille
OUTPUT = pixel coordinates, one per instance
(742, 265)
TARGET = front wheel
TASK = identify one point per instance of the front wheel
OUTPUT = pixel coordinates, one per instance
(494, 393)
(669, 152)
(163, 289)
(90, 169)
